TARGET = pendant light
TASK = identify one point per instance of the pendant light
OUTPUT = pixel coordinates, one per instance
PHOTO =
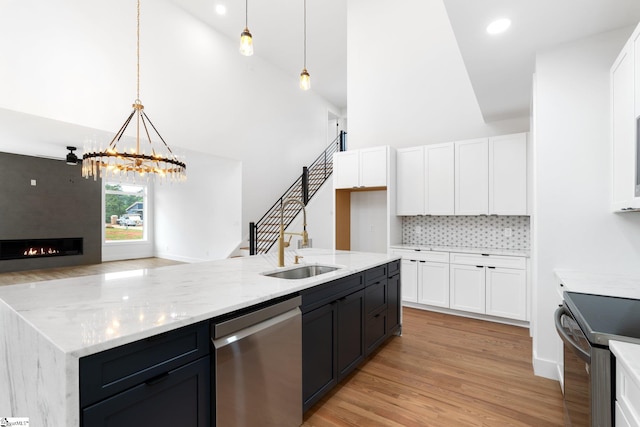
(246, 40)
(305, 78)
(118, 161)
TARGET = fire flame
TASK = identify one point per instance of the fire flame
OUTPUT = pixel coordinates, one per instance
(41, 251)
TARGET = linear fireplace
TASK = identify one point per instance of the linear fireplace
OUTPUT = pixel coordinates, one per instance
(37, 248)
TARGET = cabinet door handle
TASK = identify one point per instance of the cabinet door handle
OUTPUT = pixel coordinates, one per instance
(157, 379)
(376, 316)
(490, 267)
(423, 261)
(484, 254)
(413, 260)
(480, 266)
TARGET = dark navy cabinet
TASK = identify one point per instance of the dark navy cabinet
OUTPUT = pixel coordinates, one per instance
(332, 335)
(162, 380)
(342, 322)
(393, 298)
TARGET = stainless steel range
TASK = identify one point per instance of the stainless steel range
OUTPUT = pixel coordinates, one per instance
(586, 323)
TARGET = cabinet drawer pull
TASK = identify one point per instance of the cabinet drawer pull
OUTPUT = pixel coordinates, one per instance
(490, 267)
(413, 260)
(157, 379)
(423, 261)
(480, 266)
(485, 254)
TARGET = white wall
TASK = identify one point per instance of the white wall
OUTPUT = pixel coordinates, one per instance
(75, 63)
(404, 96)
(369, 221)
(573, 226)
(200, 219)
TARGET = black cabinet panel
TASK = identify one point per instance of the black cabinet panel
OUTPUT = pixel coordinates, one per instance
(375, 274)
(376, 297)
(375, 331)
(109, 372)
(350, 333)
(325, 293)
(179, 398)
(319, 353)
(393, 304)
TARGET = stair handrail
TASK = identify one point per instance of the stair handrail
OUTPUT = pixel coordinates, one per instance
(338, 144)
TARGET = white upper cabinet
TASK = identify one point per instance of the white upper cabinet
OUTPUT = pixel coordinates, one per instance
(625, 108)
(360, 168)
(440, 179)
(508, 174)
(471, 177)
(410, 176)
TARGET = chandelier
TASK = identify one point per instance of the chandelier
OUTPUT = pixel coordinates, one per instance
(116, 161)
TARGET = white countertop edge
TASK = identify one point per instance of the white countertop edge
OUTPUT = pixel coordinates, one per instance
(628, 355)
(615, 285)
(492, 251)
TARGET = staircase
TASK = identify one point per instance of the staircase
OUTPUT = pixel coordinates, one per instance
(264, 233)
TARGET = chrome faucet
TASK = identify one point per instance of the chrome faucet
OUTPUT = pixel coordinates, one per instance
(281, 243)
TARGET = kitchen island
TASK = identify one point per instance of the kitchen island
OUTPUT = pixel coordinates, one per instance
(48, 326)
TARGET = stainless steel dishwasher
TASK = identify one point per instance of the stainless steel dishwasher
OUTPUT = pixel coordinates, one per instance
(258, 367)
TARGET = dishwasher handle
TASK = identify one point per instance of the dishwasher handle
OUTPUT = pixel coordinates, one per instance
(244, 321)
(224, 341)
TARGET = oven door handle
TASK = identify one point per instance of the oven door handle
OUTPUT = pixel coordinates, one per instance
(584, 355)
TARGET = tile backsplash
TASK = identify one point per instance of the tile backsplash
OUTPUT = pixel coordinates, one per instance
(467, 231)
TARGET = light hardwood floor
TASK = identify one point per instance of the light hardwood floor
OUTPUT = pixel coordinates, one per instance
(82, 270)
(445, 371)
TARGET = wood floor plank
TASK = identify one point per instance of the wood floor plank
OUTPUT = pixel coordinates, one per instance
(445, 371)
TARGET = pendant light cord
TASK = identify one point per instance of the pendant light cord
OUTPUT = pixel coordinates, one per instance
(246, 13)
(305, 34)
(138, 55)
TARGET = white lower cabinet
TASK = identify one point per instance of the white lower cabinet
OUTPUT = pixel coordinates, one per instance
(467, 288)
(506, 293)
(409, 274)
(495, 285)
(425, 277)
(433, 283)
(627, 411)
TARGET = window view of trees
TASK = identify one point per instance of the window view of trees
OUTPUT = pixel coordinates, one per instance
(124, 211)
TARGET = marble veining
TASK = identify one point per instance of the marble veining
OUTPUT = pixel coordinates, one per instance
(48, 326)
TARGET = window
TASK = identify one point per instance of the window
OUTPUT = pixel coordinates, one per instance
(124, 212)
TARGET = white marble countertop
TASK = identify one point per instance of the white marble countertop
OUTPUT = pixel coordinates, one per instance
(599, 283)
(466, 250)
(629, 355)
(45, 327)
(85, 315)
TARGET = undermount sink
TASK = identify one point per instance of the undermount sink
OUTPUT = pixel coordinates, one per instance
(302, 272)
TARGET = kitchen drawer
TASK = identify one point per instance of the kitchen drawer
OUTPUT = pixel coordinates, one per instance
(317, 296)
(393, 268)
(503, 261)
(419, 255)
(112, 371)
(628, 394)
(375, 275)
(375, 297)
(375, 331)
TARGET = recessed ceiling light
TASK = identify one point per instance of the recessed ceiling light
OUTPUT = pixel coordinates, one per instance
(499, 26)
(221, 9)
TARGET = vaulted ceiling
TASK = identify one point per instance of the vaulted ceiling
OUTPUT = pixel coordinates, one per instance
(500, 67)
